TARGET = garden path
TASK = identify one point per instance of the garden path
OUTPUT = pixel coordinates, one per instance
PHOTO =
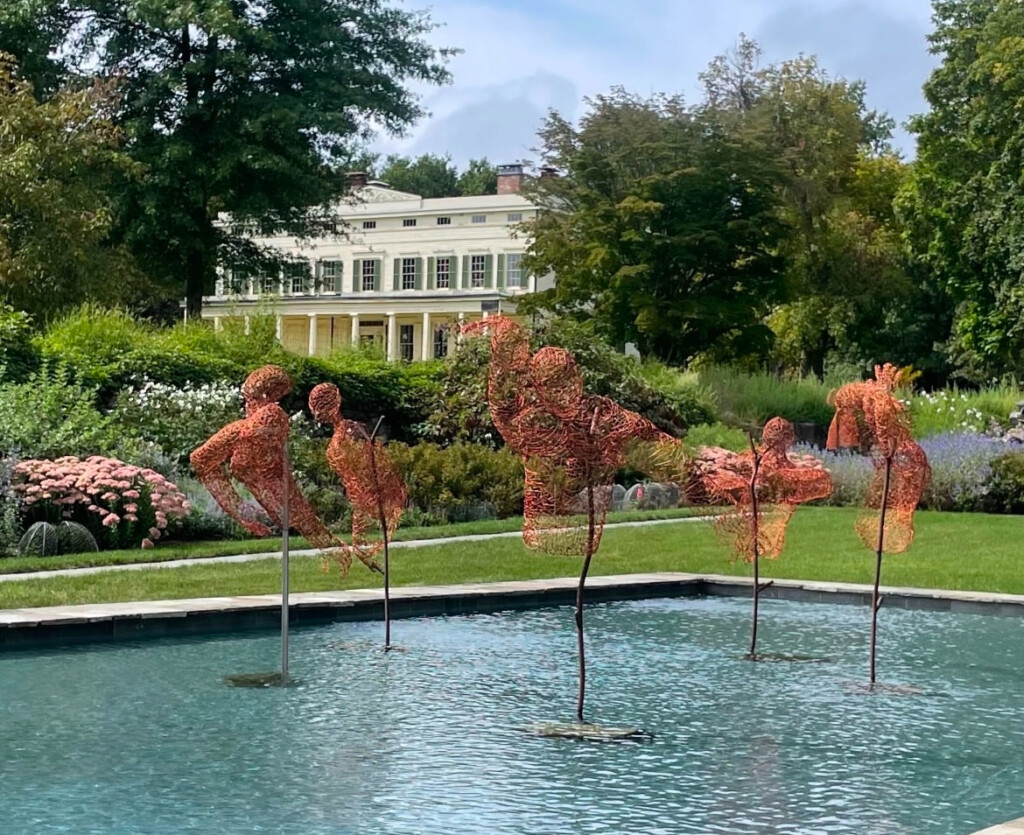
(308, 552)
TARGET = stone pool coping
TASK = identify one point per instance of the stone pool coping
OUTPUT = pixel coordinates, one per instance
(1009, 828)
(33, 628)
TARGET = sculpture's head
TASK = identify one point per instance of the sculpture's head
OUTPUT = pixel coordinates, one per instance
(325, 403)
(778, 434)
(888, 376)
(558, 381)
(265, 385)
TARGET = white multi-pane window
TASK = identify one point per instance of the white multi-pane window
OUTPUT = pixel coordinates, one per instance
(369, 224)
(444, 221)
(369, 270)
(409, 221)
(479, 219)
(268, 283)
(477, 268)
(514, 269)
(408, 273)
(515, 217)
(443, 279)
(330, 276)
(297, 279)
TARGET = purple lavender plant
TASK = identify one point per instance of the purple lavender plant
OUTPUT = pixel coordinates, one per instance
(961, 467)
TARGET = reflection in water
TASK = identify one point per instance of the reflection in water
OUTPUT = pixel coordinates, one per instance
(145, 737)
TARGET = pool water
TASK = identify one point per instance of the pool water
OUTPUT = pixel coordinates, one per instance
(146, 738)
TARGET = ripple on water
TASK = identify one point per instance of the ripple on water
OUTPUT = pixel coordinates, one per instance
(145, 738)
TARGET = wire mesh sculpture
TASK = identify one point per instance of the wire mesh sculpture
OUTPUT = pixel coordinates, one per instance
(372, 482)
(254, 451)
(571, 444)
(869, 416)
(764, 486)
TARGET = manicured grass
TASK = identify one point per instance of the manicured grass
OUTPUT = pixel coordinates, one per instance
(952, 551)
(194, 550)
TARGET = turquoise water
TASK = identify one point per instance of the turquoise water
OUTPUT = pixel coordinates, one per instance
(145, 738)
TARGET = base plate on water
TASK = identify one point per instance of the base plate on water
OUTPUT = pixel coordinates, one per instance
(881, 689)
(588, 732)
(272, 679)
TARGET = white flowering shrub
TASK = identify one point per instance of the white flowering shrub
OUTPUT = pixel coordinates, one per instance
(177, 419)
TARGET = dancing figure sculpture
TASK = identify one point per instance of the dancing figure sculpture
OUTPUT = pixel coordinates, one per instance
(869, 416)
(571, 445)
(373, 484)
(764, 486)
(254, 450)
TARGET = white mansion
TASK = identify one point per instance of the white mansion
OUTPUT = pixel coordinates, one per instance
(402, 272)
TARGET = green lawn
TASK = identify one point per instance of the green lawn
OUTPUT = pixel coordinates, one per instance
(952, 551)
(194, 550)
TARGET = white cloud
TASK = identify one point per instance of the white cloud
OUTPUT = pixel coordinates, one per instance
(522, 57)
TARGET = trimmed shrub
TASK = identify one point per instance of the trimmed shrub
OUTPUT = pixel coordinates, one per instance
(1006, 484)
(462, 481)
(51, 414)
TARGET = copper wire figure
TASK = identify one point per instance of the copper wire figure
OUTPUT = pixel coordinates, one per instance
(571, 445)
(869, 416)
(373, 484)
(254, 451)
(764, 486)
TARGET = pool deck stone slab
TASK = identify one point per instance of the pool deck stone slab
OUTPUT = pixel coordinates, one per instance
(1011, 828)
(36, 627)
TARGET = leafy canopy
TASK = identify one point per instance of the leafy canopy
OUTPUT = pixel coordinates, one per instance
(233, 106)
(663, 227)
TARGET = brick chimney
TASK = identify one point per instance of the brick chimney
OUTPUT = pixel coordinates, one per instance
(510, 178)
(356, 180)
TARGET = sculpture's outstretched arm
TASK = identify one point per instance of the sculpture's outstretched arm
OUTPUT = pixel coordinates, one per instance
(209, 463)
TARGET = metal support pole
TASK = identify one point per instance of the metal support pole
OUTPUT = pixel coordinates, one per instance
(285, 524)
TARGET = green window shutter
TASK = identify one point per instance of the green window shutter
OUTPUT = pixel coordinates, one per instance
(465, 271)
(377, 264)
(357, 275)
(318, 276)
(431, 273)
(501, 272)
(419, 273)
(488, 271)
(398, 274)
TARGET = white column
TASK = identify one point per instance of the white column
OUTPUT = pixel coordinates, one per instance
(392, 337)
(425, 338)
(312, 334)
(458, 334)
(279, 328)
(355, 329)
(248, 324)
(216, 323)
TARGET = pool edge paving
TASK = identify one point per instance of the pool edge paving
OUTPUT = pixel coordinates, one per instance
(1015, 827)
(33, 628)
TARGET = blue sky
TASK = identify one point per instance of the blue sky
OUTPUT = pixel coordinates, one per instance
(522, 57)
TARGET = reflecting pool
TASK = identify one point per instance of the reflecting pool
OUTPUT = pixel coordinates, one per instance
(146, 738)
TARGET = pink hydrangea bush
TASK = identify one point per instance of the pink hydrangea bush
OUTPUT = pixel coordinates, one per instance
(123, 505)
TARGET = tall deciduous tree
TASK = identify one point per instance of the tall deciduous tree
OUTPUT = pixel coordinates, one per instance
(965, 205)
(56, 158)
(845, 263)
(237, 106)
(428, 175)
(663, 227)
